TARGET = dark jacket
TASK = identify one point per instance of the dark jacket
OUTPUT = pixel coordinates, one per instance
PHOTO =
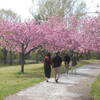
(47, 67)
(67, 58)
(56, 61)
(47, 61)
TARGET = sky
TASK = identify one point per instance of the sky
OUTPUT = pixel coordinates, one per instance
(93, 4)
(21, 7)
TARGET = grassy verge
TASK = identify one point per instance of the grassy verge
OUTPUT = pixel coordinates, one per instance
(95, 92)
(84, 62)
(11, 80)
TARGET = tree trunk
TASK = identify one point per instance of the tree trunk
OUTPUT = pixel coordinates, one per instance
(11, 59)
(5, 56)
(22, 63)
(22, 59)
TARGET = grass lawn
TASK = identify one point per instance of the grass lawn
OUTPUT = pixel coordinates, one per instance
(96, 89)
(11, 80)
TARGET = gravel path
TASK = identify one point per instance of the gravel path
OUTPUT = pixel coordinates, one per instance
(70, 87)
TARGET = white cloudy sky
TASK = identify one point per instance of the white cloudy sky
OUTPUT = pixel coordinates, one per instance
(92, 4)
(22, 6)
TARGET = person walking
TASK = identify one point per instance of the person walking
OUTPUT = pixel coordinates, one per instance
(56, 64)
(74, 62)
(66, 62)
(47, 66)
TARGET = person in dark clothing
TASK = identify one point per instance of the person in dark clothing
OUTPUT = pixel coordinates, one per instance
(47, 66)
(67, 61)
(56, 64)
(74, 62)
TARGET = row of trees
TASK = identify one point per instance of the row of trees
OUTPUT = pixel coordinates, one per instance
(5, 55)
(55, 34)
(47, 32)
(46, 8)
(62, 8)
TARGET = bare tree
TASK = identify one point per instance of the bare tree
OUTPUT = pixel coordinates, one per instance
(80, 10)
(9, 15)
(47, 8)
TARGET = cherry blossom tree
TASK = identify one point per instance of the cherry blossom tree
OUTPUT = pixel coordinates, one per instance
(80, 35)
(60, 34)
(56, 34)
(21, 37)
(90, 38)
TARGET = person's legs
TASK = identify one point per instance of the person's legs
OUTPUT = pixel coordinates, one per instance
(57, 74)
(47, 79)
(72, 69)
(75, 70)
(66, 67)
(47, 74)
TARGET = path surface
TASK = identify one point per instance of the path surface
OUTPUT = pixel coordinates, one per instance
(70, 87)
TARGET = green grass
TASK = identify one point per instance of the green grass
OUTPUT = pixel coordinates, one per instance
(84, 62)
(96, 89)
(11, 80)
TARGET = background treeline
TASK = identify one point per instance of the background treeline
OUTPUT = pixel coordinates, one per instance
(9, 57)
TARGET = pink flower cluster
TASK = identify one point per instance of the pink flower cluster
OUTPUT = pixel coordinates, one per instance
(56, 34)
